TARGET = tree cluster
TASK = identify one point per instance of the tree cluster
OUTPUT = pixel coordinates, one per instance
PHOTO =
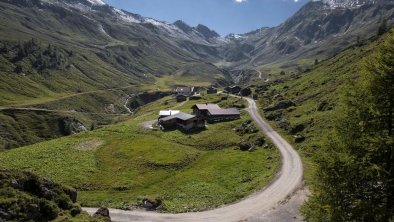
(32, 54)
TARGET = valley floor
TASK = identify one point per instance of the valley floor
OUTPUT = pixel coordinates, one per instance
(117, 166)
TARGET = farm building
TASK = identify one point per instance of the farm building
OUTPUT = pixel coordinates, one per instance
(216, 115)
(201, 110)
(183, 121)
(186, 91)
(213, 112)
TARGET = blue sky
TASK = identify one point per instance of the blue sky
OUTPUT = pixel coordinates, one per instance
(223, 16)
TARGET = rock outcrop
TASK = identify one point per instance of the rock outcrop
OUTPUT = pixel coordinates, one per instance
(283, 104)
(103, 214)
(27, 197)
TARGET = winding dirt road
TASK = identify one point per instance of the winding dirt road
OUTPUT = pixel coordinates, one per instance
(257, 207)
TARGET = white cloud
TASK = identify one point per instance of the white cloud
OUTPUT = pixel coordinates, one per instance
(240, 1)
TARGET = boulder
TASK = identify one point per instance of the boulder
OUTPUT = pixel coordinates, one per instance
(299, 139)
(151, 204)
(246, 123)
(297, 129)
(283, 104)
(273, 115)
(259, 141)
(277, 97)
(252, 148)
(244, 146)
(283, 123)
(103, 214)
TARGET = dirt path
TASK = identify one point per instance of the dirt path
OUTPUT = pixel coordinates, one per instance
(126, 103)
(260, 74)
(69, 96)
(59, 111)
(279, 201)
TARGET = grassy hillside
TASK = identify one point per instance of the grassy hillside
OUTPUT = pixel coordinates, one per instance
(119, 165)
(92, 110)
(318, 98)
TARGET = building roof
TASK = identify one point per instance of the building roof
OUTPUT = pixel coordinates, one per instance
(181, 116)
(224, 112)
(207, 106)
(184, 89)
(168, 112)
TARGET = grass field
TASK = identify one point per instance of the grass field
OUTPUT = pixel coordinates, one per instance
(119, 165)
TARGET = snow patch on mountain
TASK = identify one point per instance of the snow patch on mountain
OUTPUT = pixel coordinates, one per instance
(125, 17)
(235, 36)
(96, 2)
(350, 4)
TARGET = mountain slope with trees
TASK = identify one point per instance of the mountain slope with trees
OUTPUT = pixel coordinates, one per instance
(356, 163)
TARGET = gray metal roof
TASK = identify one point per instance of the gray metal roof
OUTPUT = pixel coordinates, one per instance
(220, 112)
(184, 89)
(181, 116)
(207, 106)
(168, 112)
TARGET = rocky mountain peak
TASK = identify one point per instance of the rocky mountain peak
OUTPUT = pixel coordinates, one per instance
(206, 32)
(183, 26)
(96, 2)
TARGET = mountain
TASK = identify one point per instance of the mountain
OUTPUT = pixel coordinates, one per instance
(349, 4)
(104, 47)
(320, 29)
(138, 50)
(87, 57)
(81, 60)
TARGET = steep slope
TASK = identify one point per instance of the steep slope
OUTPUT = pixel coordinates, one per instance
(318, 30)
(105, 48)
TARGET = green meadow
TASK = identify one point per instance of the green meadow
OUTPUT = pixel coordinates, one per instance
(119, 165)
